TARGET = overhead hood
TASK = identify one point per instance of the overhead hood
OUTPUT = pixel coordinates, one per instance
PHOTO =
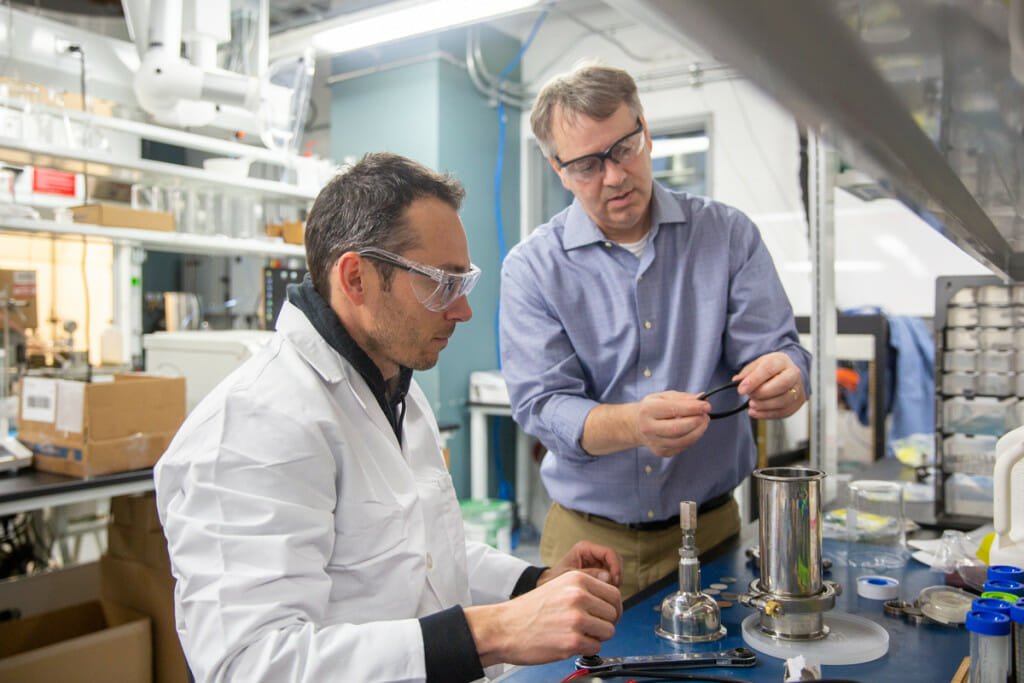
(917, 93)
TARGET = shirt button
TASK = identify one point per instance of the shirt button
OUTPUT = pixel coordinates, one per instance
(430, 561)
(647, 372)
(650, 514)
(647, 469)
(640, 277)
(607, 244)
(647, 324)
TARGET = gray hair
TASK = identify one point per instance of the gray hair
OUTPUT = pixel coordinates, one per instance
(592, 89)
(365, 207)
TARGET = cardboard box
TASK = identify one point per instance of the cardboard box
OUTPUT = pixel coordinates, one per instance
(50, 590)
(138, 510)
(122, 217)
(21, 286)
(86, 429)
(293, 232)
(94, 641)
(134, 532)
(150, 591)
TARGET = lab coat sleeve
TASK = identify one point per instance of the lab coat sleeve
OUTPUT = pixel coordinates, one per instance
(492, 573)
(546, 382)
(247, 502)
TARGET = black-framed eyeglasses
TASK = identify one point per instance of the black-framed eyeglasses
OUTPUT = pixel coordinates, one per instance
(441, 288)
(624, 150)
(723, 410)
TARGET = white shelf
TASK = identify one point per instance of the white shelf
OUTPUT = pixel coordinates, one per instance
(172, 136)
(104, 164)
(157, 240)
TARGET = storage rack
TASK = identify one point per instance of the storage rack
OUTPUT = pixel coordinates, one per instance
(979, 390)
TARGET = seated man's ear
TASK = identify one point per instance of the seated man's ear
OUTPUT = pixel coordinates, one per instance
(349, 277)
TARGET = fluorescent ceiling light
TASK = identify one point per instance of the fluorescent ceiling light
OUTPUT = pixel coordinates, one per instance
(670, 147)
(397, 20)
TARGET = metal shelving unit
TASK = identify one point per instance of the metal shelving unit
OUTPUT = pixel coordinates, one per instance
(918, 95)
(109, 148)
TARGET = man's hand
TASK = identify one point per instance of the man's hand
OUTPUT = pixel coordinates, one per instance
(599, 561)
(572, 614)
(671, 421)
(774, 385)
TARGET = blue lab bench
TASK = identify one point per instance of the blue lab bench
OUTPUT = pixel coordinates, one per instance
(924, 652)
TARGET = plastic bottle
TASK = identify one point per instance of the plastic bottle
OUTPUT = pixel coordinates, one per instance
(111, 346)
(1008, 519)
(990, 646)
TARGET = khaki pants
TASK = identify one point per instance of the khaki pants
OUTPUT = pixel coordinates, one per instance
(647, 556)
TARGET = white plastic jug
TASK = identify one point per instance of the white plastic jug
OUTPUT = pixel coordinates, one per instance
(112, 346)
(1008, 510)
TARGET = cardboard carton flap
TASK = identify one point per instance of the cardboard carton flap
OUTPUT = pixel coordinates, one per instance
(41, 630)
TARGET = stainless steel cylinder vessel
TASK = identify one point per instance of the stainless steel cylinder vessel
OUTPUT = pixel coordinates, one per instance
(790, 530)
(790, 593)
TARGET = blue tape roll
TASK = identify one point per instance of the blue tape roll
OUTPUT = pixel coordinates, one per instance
(878, 587)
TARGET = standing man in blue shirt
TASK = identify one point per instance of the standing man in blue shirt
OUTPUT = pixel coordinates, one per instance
(616, 315)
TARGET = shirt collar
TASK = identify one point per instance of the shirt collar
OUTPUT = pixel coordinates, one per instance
(581, 230)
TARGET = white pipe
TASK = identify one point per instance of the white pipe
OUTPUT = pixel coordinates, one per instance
(165, 25)
(180, 93)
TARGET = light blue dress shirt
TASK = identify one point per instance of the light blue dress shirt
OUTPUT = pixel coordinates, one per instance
(583, 322)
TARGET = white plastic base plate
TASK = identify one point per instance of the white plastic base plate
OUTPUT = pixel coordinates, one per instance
(851, 640)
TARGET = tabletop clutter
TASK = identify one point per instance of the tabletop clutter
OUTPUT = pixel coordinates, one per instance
(794, 615)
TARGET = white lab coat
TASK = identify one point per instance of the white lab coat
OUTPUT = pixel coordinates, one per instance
(305, 542)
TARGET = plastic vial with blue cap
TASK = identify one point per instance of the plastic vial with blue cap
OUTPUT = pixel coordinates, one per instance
(990, 646)
(1005, 572)
(1004, 586)
(991, 605)
(1017, 617)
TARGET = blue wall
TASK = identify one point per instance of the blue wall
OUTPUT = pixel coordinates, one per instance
(431, 112)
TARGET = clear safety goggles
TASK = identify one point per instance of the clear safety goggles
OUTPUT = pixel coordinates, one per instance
(624, 150)
(435, 288)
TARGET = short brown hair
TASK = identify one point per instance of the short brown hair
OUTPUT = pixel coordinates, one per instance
(365, 207)
(592, 89)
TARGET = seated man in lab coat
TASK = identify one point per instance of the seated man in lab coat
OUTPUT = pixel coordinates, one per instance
(312, 525)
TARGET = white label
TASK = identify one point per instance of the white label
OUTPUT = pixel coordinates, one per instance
(70, 402)
(39, 399)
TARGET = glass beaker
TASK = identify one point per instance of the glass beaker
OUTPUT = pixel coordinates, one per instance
(876, 535)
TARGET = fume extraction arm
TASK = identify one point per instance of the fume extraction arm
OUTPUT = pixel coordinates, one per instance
(173, 89)
(192, 90)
